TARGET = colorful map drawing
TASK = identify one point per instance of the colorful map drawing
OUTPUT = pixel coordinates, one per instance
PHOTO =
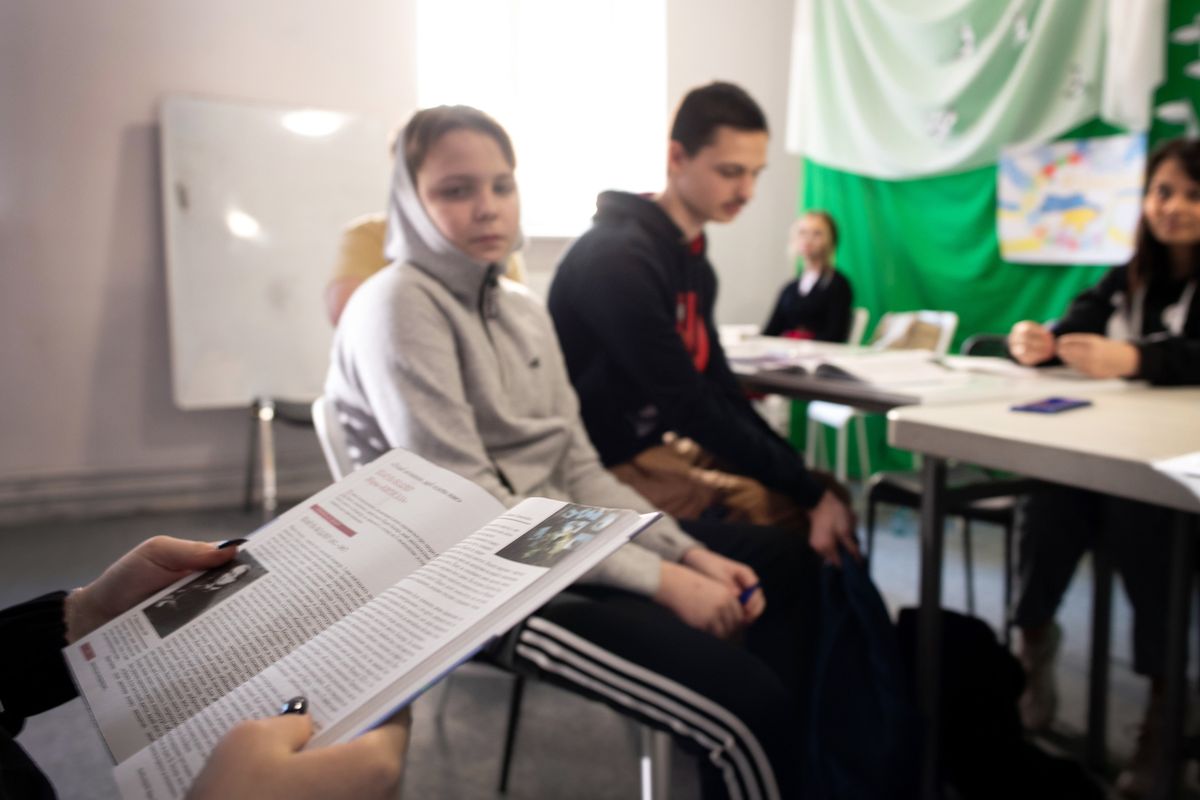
(1072, 202)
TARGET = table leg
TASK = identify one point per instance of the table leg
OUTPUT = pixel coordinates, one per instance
(929, 622)
(1166, 779)
(1096, 743)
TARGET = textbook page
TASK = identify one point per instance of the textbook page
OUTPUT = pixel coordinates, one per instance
(892, 368)
(766, 353)
(359, 671)
(162, 662)
(884, 368)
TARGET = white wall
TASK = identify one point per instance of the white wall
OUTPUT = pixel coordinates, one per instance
(87, 403)
(748, 43)
(87, 417)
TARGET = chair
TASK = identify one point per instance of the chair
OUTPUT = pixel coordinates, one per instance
(858, 326)
(814, 448)
(972, 495)
(908, 330)
(654, 764)
(332, 437)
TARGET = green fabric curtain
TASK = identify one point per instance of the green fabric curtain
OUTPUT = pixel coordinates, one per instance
(931, 244)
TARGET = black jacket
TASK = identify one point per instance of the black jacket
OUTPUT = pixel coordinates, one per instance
(33, 678)
(824, 312)
(1165, 359)
(633, 307)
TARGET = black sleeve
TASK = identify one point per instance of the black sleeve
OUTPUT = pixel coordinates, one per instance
(840, 298)
(1172, 361)
(1089, 312)
(627, 314)
(776, 324)
(33, 674)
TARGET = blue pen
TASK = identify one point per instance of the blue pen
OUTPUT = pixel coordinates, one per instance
(747, 593)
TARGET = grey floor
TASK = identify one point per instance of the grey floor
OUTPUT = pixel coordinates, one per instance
(567, 747)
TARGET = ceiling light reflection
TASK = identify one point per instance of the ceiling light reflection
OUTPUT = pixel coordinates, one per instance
(314, 123)
(242, 225)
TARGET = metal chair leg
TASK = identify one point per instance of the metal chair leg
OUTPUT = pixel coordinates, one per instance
(1006, 633)
(840, 466)
(266, 457)
(968, 565)
(510, 733)
(1096, 744)
(251, 460)
(655, 764)
(812, 442)
(444, 699)
(864, 455)
(870, 531)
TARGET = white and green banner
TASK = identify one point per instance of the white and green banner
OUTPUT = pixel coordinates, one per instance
(909, 88)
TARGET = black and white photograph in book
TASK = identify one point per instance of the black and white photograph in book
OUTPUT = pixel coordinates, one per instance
(171, 612)
(563, 531)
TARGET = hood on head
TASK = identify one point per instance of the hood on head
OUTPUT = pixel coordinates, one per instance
(413, 238)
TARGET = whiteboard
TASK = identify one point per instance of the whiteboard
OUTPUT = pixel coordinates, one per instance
(254, 202)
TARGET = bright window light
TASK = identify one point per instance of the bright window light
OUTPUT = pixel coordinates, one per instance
(580, 87)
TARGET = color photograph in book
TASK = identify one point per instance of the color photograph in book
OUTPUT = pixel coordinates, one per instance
(560, 533)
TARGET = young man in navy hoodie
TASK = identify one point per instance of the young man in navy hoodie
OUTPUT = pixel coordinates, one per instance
(632, 302)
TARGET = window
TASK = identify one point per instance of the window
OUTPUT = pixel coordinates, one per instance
(579, 85)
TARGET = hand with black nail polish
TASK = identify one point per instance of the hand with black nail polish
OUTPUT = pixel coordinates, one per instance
(153, 565)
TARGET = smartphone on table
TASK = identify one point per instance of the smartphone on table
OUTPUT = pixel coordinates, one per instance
(1052, 405)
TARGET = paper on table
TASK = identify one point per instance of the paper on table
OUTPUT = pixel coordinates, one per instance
(893, 368)
(1185, 469)
(989, 365)
(761, 353)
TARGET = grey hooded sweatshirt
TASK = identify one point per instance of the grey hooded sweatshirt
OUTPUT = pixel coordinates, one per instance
(438, 354)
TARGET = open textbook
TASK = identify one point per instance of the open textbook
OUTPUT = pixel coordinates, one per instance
(878, 367)
(359, 598)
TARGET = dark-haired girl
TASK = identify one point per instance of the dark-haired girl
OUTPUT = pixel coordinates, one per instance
(1142, 320)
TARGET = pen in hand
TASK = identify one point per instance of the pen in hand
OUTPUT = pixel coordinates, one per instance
(747, 593)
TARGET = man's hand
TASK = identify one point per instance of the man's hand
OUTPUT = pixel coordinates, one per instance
(700, 601)
(1097, 356)
(262, 759)
(734, 574)
(830, 524)
(152, 565)
(1030, 343)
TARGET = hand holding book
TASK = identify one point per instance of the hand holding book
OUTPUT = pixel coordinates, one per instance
(261, 756)
(360, 598)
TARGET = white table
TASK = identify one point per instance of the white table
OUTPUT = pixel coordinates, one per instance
(1109, 447)
(785, 366)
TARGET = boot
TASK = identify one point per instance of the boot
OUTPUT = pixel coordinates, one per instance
(1039, 701)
